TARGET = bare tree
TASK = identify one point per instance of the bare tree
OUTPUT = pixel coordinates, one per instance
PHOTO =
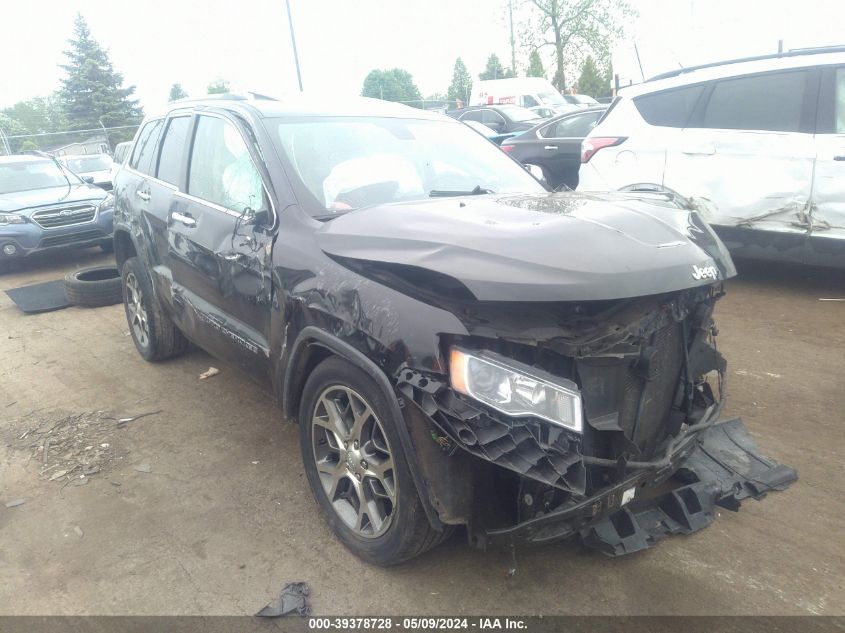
(574, 28)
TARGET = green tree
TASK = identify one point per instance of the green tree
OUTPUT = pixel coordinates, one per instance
(92, 93)
(176, 93)
(535, 65)
(593, 80)
(461, 86)
(391, 85)
(28, 145)
(575, 28)
(495, 70)
(217, 87)
(39, 115)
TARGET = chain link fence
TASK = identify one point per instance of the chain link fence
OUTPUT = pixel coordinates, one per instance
(92, 141)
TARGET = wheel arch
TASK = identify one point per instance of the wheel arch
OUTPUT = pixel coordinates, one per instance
(124, 247)
(311, 347)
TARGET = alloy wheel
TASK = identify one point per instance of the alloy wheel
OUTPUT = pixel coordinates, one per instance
(354, 461)
(135, 310)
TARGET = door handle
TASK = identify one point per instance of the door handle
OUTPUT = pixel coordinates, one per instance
(143, 196)
(704, 149)
(551, 147)
(182, 218)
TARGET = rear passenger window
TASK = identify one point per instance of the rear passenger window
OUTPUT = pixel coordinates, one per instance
(770, 102)
(473, 115)
(840, 100)
(144, 152)
(670, 108)
(221, 170)
(172, 147)
(572, 127)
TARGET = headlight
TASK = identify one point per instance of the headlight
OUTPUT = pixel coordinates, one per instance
(107, 204)
(11, 218)
(515, 389)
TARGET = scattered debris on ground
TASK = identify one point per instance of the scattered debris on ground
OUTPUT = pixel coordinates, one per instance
(72, 448)
(208, 373)
(143, 468)
(293, 600)
(14, 503)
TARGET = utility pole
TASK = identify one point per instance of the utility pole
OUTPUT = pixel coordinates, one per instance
(513, 42)
(5, 142)
(293, 43)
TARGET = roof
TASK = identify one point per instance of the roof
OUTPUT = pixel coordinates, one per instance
(305, 105)
(738, 67)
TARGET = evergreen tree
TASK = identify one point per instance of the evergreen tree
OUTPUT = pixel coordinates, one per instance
(461, 86)
(535, 65)
(494, 70)
(92, 93)
(593, 81)
(176, 93)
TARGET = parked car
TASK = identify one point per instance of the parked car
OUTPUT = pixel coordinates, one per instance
(487, 133)
(458, 345)
(759, 143)
(547, 112)
(121, 151)
(553, 149)
(44, 206)
(521, 91)
(92, 168)
(502, 118)
(581, 101)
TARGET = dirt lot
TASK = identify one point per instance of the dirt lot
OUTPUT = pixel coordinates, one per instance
(203, 508)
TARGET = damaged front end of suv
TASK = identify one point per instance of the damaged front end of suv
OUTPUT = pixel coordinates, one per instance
(578, 389)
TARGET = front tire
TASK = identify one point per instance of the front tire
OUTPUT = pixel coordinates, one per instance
(356, 467)
(154, 334)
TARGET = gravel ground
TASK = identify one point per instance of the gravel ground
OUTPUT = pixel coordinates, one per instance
(203, 508)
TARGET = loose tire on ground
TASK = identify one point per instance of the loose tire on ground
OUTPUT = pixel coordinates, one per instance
(408, 532)
(94, 287)
(154, 334)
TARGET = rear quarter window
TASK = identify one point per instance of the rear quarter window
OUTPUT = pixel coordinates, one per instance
(172, 149)
(767, 102)
(144, 153)
(669, 108)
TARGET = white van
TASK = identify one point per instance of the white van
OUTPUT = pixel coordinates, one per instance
(527, 92)
(759, 143)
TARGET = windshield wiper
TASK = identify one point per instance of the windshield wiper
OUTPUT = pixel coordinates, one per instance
(478, 191)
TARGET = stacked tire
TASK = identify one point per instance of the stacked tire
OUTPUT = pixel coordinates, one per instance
(94, 287)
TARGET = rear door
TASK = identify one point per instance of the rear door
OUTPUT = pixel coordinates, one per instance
(827, 234)
(220, 240)
(559, 146)
(139, 190)
(749, 150)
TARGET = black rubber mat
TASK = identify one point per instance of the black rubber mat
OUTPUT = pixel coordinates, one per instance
(44, 297)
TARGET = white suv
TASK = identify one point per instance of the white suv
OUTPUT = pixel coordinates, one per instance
(759, 143)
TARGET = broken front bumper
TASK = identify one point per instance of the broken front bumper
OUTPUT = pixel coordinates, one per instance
(719, 467)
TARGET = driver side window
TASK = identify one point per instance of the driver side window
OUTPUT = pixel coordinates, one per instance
(221, 170)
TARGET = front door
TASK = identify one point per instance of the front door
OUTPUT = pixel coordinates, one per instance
(220, 243)
(826, 246)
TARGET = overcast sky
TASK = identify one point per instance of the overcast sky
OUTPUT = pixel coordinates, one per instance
(158, 42)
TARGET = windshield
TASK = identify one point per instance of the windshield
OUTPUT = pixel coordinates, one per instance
(345, 163)
(552, 98)
(28, 175)
(85, 164)
(518, 114)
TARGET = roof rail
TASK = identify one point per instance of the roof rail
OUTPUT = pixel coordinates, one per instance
(228, 96)
(795, 52)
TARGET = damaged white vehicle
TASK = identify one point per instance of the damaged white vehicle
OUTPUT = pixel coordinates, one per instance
(757, 144)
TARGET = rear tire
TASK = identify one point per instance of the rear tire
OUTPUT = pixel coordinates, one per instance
(154, 334)
(352, 453)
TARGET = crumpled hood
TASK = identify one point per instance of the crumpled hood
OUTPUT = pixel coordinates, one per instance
(540, 247)
(26, 201)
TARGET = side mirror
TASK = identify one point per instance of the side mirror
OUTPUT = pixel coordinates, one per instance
(88, 179)
(257, 218)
